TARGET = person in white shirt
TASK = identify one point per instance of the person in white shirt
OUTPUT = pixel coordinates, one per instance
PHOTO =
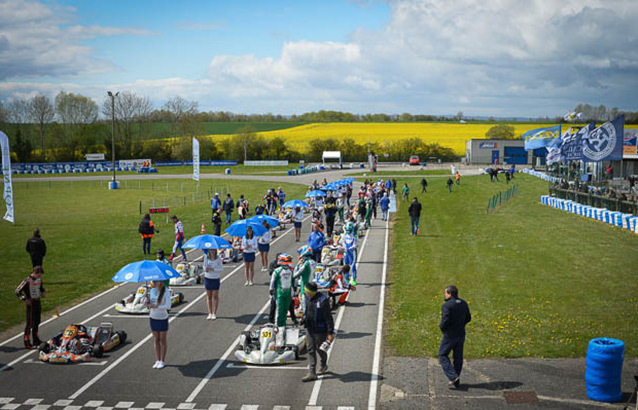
(159, 302)
(249, 246)
(263, 245)
(297, 220)
(213, 268)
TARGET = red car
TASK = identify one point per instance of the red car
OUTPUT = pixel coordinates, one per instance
(414, 160)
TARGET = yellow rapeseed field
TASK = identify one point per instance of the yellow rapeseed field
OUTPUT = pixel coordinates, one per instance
(450, 135)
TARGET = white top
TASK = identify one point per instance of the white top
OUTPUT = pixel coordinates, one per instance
(299, 216)
(213, 267)
(249, 245)
(265, 238)
(161, 311)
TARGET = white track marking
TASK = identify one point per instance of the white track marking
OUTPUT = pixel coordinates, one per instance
(221, 360)
(317, 387)
(19, 359)
(248, 366)
(374, 380)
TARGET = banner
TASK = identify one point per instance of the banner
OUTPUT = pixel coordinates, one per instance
(572, 148)
(553, 155)
(605, 143)
(266, 163)
(6, 173)
(195, 159)
(542, 138)
(630, 141)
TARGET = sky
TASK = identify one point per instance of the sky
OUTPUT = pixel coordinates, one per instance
(503, 58)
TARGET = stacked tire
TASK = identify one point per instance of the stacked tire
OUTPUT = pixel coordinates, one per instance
(604, 369)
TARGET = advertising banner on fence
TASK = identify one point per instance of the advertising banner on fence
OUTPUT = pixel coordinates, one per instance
(123, 163)
(195, 159)
(630, 141)
(6, 174)
(266, 163)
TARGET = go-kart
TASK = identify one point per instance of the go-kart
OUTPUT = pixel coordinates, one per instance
(324, 276)
(190, 274)
(285, 217)
(259, 346)
(332, 255)
(235, 254)
(135, 302)
(77, 343)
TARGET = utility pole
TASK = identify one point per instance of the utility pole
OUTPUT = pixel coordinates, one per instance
(113, 184)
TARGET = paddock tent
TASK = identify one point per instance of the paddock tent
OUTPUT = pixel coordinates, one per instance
(331, 155)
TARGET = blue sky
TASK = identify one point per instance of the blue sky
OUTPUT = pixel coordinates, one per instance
(500, 58)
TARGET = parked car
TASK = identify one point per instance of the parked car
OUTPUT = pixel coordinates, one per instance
(414, 160)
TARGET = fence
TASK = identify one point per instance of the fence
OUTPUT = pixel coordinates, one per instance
(501, 198)
(611, 204)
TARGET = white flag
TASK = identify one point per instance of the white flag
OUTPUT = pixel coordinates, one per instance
(553, 155)
(195, 159)
(6, 174)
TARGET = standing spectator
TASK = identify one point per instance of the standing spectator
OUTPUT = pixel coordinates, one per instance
(331, 211)
(507, 176)
(415, 213)
(30, 290)
(320, 326)
(455, 314)
(424, 185)
(179, 238)
(394, 186)
(458, 177)
(229, 205)
(512, 171)
(36, 248)
(263, 245)
(249, 245)
(297, 219)
(405, 192)
(159, 303)
(348, 194)
(282, 197)
(215, 203)
(449, 184)
(609, 172)
(341, 203)
(243, 203)
(384, 202)
(217, 223)
(316, 241)
(147, 229)
(213, 267)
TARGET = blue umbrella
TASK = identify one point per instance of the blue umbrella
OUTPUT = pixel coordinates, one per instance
(314, 194)
(207, 242)
(274, 222)
(238, 228)
(145, 271)
(295, 203)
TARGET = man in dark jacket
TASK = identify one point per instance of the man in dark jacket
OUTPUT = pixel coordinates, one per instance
(36, 248)
(415, 213)
(228, 207)
(320, 326)
(455, 314)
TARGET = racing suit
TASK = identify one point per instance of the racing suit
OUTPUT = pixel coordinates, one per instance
(304, 270)
(281, 287)
(349, 243)
(340, 289)
(30, 290)
(179, 240)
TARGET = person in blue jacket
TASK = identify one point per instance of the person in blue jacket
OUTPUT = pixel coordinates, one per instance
(455, 314)
(215, 203)
(384, 202)
(316, 240)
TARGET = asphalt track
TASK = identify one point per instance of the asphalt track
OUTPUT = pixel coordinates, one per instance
(201, 371)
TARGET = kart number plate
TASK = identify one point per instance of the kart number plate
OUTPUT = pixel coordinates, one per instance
(267, 334)
(58, 360)
(141, 291)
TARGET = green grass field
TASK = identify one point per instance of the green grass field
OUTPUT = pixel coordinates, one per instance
(91, 232)
(540, 282)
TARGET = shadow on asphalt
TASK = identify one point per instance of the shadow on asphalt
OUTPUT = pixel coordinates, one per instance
(200, 368)
(350, 377)
(189, 314)
(352, 335)
(492, 386)
(359, 304)
(10, 349)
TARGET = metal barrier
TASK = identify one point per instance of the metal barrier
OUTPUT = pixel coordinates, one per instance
(598, 201)
(501, 198)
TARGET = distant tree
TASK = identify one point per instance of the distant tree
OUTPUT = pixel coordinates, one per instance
(4, 113)
(41, 112)
(76, 113)
(406, 117)
(22, 148)
(18, 110)
(318, 145)
(459, 116)
(501, 131)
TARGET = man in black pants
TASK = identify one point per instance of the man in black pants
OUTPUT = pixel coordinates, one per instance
(320, 326)
(36, 248)
(30, 290)
(424, 185)
(455, 314)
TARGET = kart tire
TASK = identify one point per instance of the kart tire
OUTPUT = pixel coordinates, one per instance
(198, 281)
(247, 341)
(181, 298)
(98, 351)
(295, 349)
(122, 336)
(44, 347)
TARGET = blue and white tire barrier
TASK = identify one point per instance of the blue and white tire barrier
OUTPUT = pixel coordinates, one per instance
(617, 219)
(542, 175)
